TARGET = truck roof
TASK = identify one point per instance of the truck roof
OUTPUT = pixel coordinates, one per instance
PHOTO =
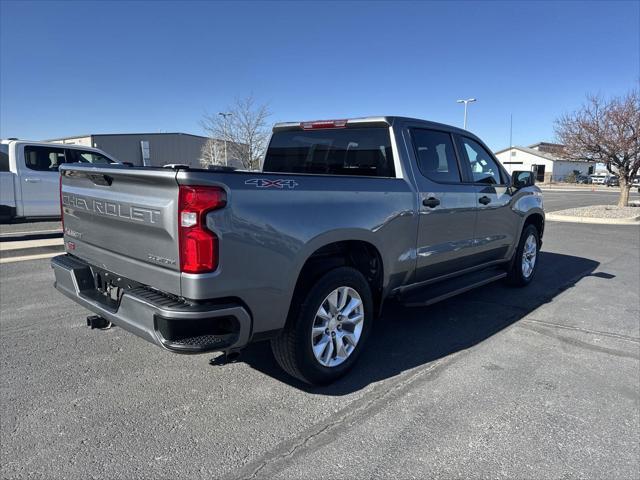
(49, 144)
(380, 120)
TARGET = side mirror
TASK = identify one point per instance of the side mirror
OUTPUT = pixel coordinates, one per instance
(521, 179)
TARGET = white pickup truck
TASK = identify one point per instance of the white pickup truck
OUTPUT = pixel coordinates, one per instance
(29, 178)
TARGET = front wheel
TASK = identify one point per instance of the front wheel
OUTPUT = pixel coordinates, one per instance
(523, 266)
(327, 333)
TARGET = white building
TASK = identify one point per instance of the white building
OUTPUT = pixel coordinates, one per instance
(544, 159)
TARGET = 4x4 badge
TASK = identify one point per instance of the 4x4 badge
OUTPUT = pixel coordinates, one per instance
(265, 183)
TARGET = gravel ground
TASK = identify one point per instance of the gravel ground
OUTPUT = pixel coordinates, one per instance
(601, 211)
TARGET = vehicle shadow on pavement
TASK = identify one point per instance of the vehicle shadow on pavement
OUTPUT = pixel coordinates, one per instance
(404, 338)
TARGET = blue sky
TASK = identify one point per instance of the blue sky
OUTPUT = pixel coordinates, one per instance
(70, 68)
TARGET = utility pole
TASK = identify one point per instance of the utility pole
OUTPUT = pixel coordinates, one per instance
(466, 102)
(511, 132)
(224, 133)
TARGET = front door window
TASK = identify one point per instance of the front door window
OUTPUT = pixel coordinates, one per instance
(484, 169)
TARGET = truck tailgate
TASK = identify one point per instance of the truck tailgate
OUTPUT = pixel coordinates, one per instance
(124, 220)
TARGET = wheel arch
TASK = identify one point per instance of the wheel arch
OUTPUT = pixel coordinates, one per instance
(360, 254)
(537, 220)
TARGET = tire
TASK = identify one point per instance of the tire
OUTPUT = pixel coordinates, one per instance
(294, 347)
(519, 274)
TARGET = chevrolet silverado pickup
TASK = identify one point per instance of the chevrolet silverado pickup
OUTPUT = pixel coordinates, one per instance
(29, 176)
(343, 215)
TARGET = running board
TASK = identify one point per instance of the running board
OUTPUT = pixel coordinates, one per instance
(437, 292)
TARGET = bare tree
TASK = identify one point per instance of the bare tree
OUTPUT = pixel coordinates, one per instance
(245, 131)
(607, 132)
(212, 153)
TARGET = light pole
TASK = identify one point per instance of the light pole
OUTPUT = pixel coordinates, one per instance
(225, 115)
(466, 102)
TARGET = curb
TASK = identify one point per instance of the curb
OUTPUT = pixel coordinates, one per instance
(16, 251)
(25, 258)
(592, 220)
(579, 190)
(24, 236)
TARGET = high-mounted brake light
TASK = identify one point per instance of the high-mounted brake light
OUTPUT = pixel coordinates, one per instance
(198, 245)
(323, 124)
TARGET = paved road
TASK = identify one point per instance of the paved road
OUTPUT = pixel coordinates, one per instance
(504, 383)
(554, 201)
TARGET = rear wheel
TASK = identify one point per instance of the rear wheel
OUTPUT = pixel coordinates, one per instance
(324, 339)
(523, 266)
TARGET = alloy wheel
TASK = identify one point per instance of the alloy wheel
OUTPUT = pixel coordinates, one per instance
(337, 327)
(529, 254)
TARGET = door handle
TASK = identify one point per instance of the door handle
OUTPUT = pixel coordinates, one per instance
(431, 202)
(484, 200)
(32, 180)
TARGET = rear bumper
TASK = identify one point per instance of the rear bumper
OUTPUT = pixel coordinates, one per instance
(161, 319)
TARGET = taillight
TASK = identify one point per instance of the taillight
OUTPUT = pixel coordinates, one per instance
(198, 245)
(323, 124)
(61, 207)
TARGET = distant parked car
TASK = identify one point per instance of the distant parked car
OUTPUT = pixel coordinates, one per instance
(636, 183)
(598, 178)
(583, 179)
(613, 181)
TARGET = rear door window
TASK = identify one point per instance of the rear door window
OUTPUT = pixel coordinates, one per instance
(436, 155)
(43, 159)
(337, 151)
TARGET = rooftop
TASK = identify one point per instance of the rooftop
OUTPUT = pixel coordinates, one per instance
(557, 146)
(121, 134)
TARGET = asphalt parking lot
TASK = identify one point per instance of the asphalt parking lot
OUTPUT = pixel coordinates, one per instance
(542, 382)
(560, 200)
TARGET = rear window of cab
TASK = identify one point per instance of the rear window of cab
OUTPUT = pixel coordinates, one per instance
(335, 151)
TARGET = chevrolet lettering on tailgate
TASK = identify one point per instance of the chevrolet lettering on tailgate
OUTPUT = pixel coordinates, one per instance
(111, 209)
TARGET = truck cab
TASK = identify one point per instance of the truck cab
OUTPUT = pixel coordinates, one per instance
(29, 177)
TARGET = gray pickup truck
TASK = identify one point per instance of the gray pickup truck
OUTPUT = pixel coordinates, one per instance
(345, 214)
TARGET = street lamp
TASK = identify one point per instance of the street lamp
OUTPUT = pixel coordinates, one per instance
(466, 102)
(225, 115)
